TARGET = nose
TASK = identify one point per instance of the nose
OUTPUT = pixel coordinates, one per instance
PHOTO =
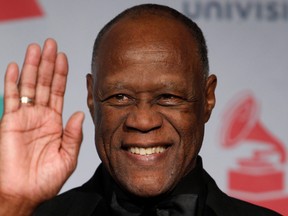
(143, 119)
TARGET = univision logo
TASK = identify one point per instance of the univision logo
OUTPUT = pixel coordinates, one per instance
(259, 10)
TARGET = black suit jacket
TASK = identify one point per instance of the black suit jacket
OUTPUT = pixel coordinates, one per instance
(92, 198)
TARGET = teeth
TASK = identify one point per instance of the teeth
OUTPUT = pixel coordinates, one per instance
(146, 151)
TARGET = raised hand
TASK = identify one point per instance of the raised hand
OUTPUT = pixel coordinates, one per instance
(37, 154)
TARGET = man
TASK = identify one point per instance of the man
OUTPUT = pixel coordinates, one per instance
(149, 95)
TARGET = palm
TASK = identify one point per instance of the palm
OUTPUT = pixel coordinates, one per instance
(34, 137)
(37, 154)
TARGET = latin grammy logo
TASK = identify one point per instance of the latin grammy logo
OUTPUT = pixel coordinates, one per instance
(259, 175)
(14, 9)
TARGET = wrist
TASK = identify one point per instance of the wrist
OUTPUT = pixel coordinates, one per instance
(16, 207)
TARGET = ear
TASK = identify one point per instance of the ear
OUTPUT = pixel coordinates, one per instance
(90, 99)
(210, 102)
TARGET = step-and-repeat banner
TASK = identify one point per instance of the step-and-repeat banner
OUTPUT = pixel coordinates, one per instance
(246, 140)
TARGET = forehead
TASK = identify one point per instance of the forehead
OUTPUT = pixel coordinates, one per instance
(149, 40)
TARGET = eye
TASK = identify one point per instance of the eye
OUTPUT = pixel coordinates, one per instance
(169, 100)
(120, 100)
(120, 97)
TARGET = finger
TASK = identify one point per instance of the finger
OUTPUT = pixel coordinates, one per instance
(72, 138)
(59, 83)
(46, 71)
(29, 71)
(11, 93)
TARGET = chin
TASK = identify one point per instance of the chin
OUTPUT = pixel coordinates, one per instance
(147, 188)
(146, 193)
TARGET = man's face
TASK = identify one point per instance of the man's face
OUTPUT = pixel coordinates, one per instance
(150, 104)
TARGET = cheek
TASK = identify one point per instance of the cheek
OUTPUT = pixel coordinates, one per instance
(185, 120)
(107, 123)
(189, 125)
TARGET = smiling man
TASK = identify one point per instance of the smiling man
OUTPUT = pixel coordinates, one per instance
(150, 98)
(149, 94)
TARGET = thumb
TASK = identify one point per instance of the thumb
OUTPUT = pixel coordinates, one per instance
(73, 135)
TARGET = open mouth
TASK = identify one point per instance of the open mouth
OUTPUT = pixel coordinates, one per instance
(147, 151)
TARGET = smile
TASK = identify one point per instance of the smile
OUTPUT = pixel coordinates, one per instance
(146, 151)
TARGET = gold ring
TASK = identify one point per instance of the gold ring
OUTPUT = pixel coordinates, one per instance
(26, 100)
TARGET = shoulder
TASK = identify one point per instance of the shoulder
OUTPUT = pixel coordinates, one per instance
(222, 204)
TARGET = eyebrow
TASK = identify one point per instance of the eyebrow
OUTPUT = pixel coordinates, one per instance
(170, 86)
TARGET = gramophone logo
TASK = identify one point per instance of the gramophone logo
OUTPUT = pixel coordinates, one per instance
(259, 174)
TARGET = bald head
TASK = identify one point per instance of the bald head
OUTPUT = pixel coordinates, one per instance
(150, 12)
